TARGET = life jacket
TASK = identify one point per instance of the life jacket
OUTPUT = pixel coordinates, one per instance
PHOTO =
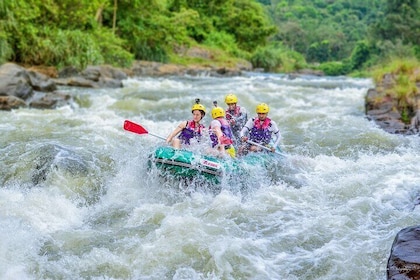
(260, 132)
(227, 137)
(233, 113)
(240, 120)
(191, 130)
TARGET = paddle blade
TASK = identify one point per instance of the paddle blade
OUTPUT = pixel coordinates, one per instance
(134, 127)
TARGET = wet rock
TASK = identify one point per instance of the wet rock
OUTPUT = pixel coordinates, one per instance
(383, 110)
(15, 81)
(76, 82)
(20, 87)
(68, 72)
(96, 73)
(70, 171)
(40, 82)
(50, 100)
(103, 76)
(8, 103)
(404, 261)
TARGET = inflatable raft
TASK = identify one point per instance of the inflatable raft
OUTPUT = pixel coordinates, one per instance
(187, 164)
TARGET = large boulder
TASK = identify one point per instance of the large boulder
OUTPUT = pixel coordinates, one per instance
(15, 81)
(404, 261)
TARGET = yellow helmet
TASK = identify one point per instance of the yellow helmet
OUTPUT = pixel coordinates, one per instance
(231, 98)
(262, 108)
(198, 106)
(217, 112)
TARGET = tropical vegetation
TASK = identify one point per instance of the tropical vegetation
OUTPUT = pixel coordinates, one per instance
(339, 37)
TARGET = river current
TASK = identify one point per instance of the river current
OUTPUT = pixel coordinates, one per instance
(78, 202)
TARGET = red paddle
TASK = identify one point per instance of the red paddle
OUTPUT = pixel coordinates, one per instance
(136, 128)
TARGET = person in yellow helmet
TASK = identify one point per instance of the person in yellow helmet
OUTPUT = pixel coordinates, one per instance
(188, 130)
(221, 132)
(260, 129)
(236, 115)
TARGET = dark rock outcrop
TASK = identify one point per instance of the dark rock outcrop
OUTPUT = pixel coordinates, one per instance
(383, 108)
(404, 261)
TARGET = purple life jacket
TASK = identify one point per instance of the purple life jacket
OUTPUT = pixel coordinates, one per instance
(190, 131)
(227, 137)
(260, 132)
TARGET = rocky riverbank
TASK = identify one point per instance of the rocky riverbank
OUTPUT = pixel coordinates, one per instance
(383, 106)
(37, 87)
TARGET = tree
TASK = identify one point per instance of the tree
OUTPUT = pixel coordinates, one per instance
(401, 21)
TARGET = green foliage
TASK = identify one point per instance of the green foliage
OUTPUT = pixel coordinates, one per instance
(404, 89)
(280, 35)
(143, 50)
(292, 61)
(324, 30)
(396, 66)
(112, 48)
(397, 49)
(249, 25)
(360, 54)
(267, 58)
(59, 33)
(400, 21)
(187, 24)
(244, 19)
(335, 68)
(223, 41)
(5, 50)
(58, 47)
(275, 58)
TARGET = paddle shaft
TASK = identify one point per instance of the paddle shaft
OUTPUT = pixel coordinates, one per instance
(261, 146)
(158, 136)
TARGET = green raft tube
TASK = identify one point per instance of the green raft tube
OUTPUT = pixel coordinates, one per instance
(187, 164)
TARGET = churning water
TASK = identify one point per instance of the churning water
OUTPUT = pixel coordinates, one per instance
(77, 201)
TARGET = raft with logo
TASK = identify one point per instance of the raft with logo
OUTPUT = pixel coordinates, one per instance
(187, 164)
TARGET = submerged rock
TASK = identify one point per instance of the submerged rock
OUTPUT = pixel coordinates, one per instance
(69, 171)
(56, 157)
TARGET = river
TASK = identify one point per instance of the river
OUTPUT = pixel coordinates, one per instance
(77, 200)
